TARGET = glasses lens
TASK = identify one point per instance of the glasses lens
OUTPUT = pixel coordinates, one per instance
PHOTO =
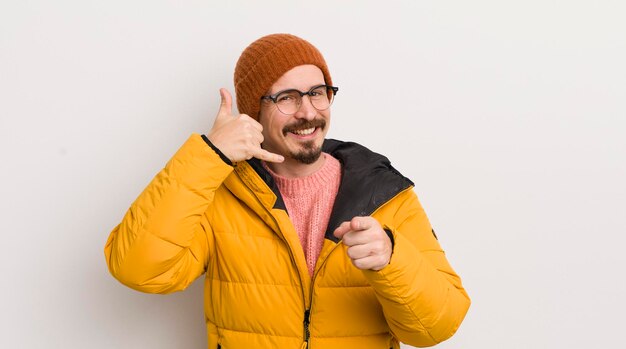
(321, 97)
(288, 102)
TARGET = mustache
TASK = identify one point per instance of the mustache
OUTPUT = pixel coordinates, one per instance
(303, 124)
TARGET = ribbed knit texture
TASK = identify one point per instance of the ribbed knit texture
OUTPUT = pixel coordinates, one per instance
(309, 201)
(265, 61)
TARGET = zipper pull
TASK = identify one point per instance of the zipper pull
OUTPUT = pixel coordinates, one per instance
(307, 333)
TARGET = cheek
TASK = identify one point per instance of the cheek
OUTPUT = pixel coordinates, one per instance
(272, 131)
(275, 126)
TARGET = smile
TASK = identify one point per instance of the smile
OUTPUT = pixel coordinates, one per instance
(304, 132)
(305, 128)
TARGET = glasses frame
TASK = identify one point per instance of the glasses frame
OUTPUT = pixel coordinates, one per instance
(274, 97)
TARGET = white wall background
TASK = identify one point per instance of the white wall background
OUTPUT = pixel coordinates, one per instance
(509, 116)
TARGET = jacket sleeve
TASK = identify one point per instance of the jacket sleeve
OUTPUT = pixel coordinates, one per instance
(422, 297)
(164, 241)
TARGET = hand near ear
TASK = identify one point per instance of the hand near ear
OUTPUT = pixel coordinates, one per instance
(369, 247)
(238, 137)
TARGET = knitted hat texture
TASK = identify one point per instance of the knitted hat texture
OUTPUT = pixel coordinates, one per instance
(265, 61)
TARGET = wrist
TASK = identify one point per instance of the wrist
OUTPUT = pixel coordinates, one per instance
(217, 150)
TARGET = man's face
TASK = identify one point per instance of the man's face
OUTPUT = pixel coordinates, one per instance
(299, 136)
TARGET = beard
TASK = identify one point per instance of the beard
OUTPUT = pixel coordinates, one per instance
(309, 152)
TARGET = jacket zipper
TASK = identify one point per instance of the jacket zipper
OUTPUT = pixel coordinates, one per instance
(307, 321)
(307, 312)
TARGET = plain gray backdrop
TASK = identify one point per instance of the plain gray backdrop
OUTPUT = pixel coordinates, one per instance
(508, 116)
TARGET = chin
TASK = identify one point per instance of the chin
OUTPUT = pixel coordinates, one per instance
(307, 158)
(308, 154)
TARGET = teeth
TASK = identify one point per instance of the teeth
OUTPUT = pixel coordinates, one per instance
(305, 132)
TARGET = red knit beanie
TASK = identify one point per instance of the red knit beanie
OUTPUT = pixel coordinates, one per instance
(265, 61)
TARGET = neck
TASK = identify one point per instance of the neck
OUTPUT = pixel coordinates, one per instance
(292, 168)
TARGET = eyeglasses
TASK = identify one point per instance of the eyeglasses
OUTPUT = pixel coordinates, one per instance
(289, 101)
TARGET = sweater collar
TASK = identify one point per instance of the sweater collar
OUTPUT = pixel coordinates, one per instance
(291, 186)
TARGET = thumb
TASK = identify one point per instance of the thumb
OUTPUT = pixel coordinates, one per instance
(226, 105)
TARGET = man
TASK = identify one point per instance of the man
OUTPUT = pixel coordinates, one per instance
(305, 242)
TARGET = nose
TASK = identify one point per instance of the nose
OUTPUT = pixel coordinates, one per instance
(307, 110)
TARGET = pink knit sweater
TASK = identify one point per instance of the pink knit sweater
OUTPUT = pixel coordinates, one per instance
(309, 201)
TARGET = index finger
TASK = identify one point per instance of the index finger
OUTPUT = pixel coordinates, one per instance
(341, 230)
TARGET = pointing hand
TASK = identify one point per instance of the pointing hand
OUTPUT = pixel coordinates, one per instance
(369, 247)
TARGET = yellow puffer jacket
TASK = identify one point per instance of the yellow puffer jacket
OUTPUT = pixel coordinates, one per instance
(200, 215)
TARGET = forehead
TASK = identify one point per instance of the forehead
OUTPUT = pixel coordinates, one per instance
(302, 78)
